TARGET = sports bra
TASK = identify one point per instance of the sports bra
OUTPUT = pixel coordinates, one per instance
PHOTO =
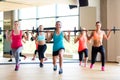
(41, 37)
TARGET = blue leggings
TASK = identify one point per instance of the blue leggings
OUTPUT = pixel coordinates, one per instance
(16, 54)
(80, 53)
(95, 50)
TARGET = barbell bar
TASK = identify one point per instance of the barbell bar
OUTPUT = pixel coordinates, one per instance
(33, 30)
(114, 29)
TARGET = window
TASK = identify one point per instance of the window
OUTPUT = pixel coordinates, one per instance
(1, 16)
(28, 24)
(69, 22)
(64, 10)
(26, 13)
(47, 16)
(46, 22)
(1, 36)
(46, 11)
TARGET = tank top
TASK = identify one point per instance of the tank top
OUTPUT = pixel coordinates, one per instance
(58, 41)
(16, 40)
(41, 37)
(82, 43)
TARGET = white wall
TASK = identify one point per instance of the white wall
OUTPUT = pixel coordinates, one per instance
(113, 19)
(87, 20)
(95, 3)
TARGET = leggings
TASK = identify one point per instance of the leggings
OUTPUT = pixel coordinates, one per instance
(80, 53)
(95, 50)
(21, 55)
(41, 51)
(16, 54)
(35, 52)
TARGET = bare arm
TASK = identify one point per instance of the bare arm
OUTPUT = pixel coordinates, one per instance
(67, 37)
(89, 37)
(49, 36)
(25, 35)
(106, 36)
(34, 36)
(76, 39)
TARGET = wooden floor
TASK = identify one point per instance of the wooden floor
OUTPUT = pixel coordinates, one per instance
(71, 71)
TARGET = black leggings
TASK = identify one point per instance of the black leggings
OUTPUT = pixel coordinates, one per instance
(95, 50)
(41, 51)
(35, 52)
(80, 53)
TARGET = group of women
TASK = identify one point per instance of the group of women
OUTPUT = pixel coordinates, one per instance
(58, 46)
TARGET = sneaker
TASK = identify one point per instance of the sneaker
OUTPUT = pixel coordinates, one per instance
(17, 67)
(85, 65)
(33, 59)
(45, 59)
(41, 65)
(91, 66)
(25, 57)
(55, 68)
(103, 69)
(10, 60)
(80, 63)
(60, 71)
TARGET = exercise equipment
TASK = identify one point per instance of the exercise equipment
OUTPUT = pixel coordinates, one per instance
(114, 29)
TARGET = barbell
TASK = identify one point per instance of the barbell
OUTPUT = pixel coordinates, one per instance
(114, 29)
(33, 30)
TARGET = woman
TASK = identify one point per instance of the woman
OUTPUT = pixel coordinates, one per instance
(16, 42)
(82, 48)
(58, 45)
(97, 37)
(40, 38)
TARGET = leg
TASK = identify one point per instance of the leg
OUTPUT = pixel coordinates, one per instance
(61, 60)
(21, 55)
(16, 53)
(41, 51)
(34, 55)
(54, 63)
(102, 51)
(10, 56)
(86, 57)
(94, 54)
(80, 56)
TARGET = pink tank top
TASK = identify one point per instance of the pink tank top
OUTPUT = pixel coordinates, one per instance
(82, 43)
(16, 40)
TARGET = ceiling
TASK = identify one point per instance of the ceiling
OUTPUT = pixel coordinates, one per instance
(7, 5)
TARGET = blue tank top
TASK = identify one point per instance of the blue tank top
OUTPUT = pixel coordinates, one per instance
(41, 37)
(58, 41)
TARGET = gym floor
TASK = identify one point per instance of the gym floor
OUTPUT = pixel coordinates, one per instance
(71, 71)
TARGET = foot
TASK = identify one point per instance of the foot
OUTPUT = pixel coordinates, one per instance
(41, 65)
(25, 57)
(60, 71)
(80, 63)
(17, 67)
(91, 66)
(33, 59)
(45, 59)
(85, 65)
(55, 68)
(10, 60)
(103, 69)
